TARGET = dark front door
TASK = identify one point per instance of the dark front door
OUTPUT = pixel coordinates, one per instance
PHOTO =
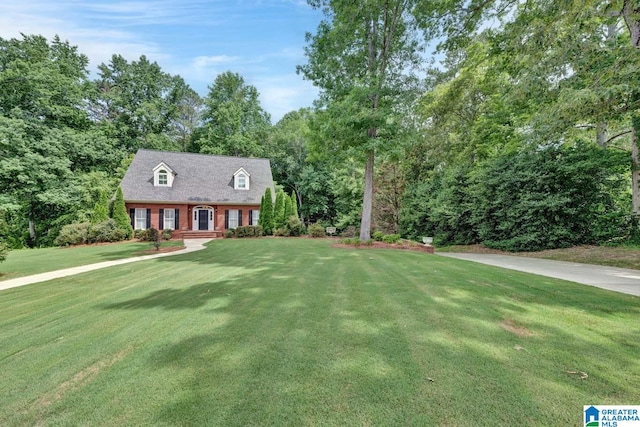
(203, 219)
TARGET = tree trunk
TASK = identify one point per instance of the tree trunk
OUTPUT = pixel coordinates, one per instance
(32, 231)
(367, 199)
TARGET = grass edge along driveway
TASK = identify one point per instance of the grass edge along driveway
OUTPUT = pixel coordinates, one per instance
(25, 262)
(295, 332)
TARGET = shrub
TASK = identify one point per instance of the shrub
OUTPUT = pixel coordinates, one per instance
(282, 232)
(350, 231)
(101, 209)
(391, 238)
(105, 231)
(142, 235)
(295, 226)
(316, 230)
(73, 234)
(4, 251)
(167, 234)
(154, 237)
(229, 234)
(278, 210)
(266, 213)
(120, 215)
(351, 241)
(377, 236)
(247, 231)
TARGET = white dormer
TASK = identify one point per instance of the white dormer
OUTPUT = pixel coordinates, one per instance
(163, 175)
(241, 179)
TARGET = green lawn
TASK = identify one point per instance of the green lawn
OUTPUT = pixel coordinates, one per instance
(295, 332)
(33, 261)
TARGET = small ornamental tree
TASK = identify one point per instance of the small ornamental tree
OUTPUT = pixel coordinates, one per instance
(294, 205)
(288, 209)
(266, 213)
(4, 250)
(278, 211)
(101, 209)
(120, 215)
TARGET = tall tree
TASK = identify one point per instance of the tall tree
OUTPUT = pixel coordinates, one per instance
(138, 102)
(234, 122)
(574, 52)
(363, 57)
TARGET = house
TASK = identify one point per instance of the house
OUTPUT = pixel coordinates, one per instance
(197, 195)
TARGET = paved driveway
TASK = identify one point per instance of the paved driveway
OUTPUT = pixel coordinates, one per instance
(611, 278)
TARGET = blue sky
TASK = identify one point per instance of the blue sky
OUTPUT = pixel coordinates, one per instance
(262, 40)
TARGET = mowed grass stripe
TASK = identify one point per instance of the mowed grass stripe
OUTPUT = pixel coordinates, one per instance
(295, 332)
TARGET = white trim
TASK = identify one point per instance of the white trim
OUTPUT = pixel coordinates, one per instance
(163, 169)
(139, 220)
(195, 224)
(241, 173)
(233, 216)
(165, 225)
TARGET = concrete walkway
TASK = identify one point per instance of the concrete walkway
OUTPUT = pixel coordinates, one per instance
(614, 279)
(191, 245)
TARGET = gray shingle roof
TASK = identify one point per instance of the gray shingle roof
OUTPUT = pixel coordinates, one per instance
(200, 178)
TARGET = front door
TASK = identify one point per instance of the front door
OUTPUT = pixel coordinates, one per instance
(203, 219)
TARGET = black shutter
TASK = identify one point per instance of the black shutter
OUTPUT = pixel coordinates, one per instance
(226, 219)
(148, 218)
(239, 217)
(161, 225)
(250, 217)
(132, 215)
(177, 220)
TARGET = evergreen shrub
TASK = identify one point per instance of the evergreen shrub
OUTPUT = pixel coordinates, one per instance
(105, 231)
(73, 234)
(316, 230)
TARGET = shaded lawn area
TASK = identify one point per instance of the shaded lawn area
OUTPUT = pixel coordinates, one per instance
(25, 262)
(295, 332)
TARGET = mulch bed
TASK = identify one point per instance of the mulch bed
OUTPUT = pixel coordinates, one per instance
(164, 250)
(383, 245)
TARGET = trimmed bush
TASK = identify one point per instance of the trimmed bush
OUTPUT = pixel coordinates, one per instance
(142, 235)
(377, 236)
(101, 209)
(316, 230)
(391, 238)
(4, 251)
(245, 231)
(167, 234)
(295, 226)
(105, 231)
(278, 210)
(73, 234)
(120, 215)
(266, 213)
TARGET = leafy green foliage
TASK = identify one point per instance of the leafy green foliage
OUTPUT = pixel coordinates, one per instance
(101, 208)
(120, 215)
(167, 234)
(106, 231)
(546, 198)
(234, 122)
(266, 220)
(279, 210)
(245, 231)
(391, 238)
(294, 205)
(73, 234)
(4, 251)
(316, 230)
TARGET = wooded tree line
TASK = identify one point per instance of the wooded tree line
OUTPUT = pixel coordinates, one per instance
(523, 137)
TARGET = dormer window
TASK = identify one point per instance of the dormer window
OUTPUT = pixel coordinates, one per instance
(163, 175)
(242, 182)
(241, 179)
